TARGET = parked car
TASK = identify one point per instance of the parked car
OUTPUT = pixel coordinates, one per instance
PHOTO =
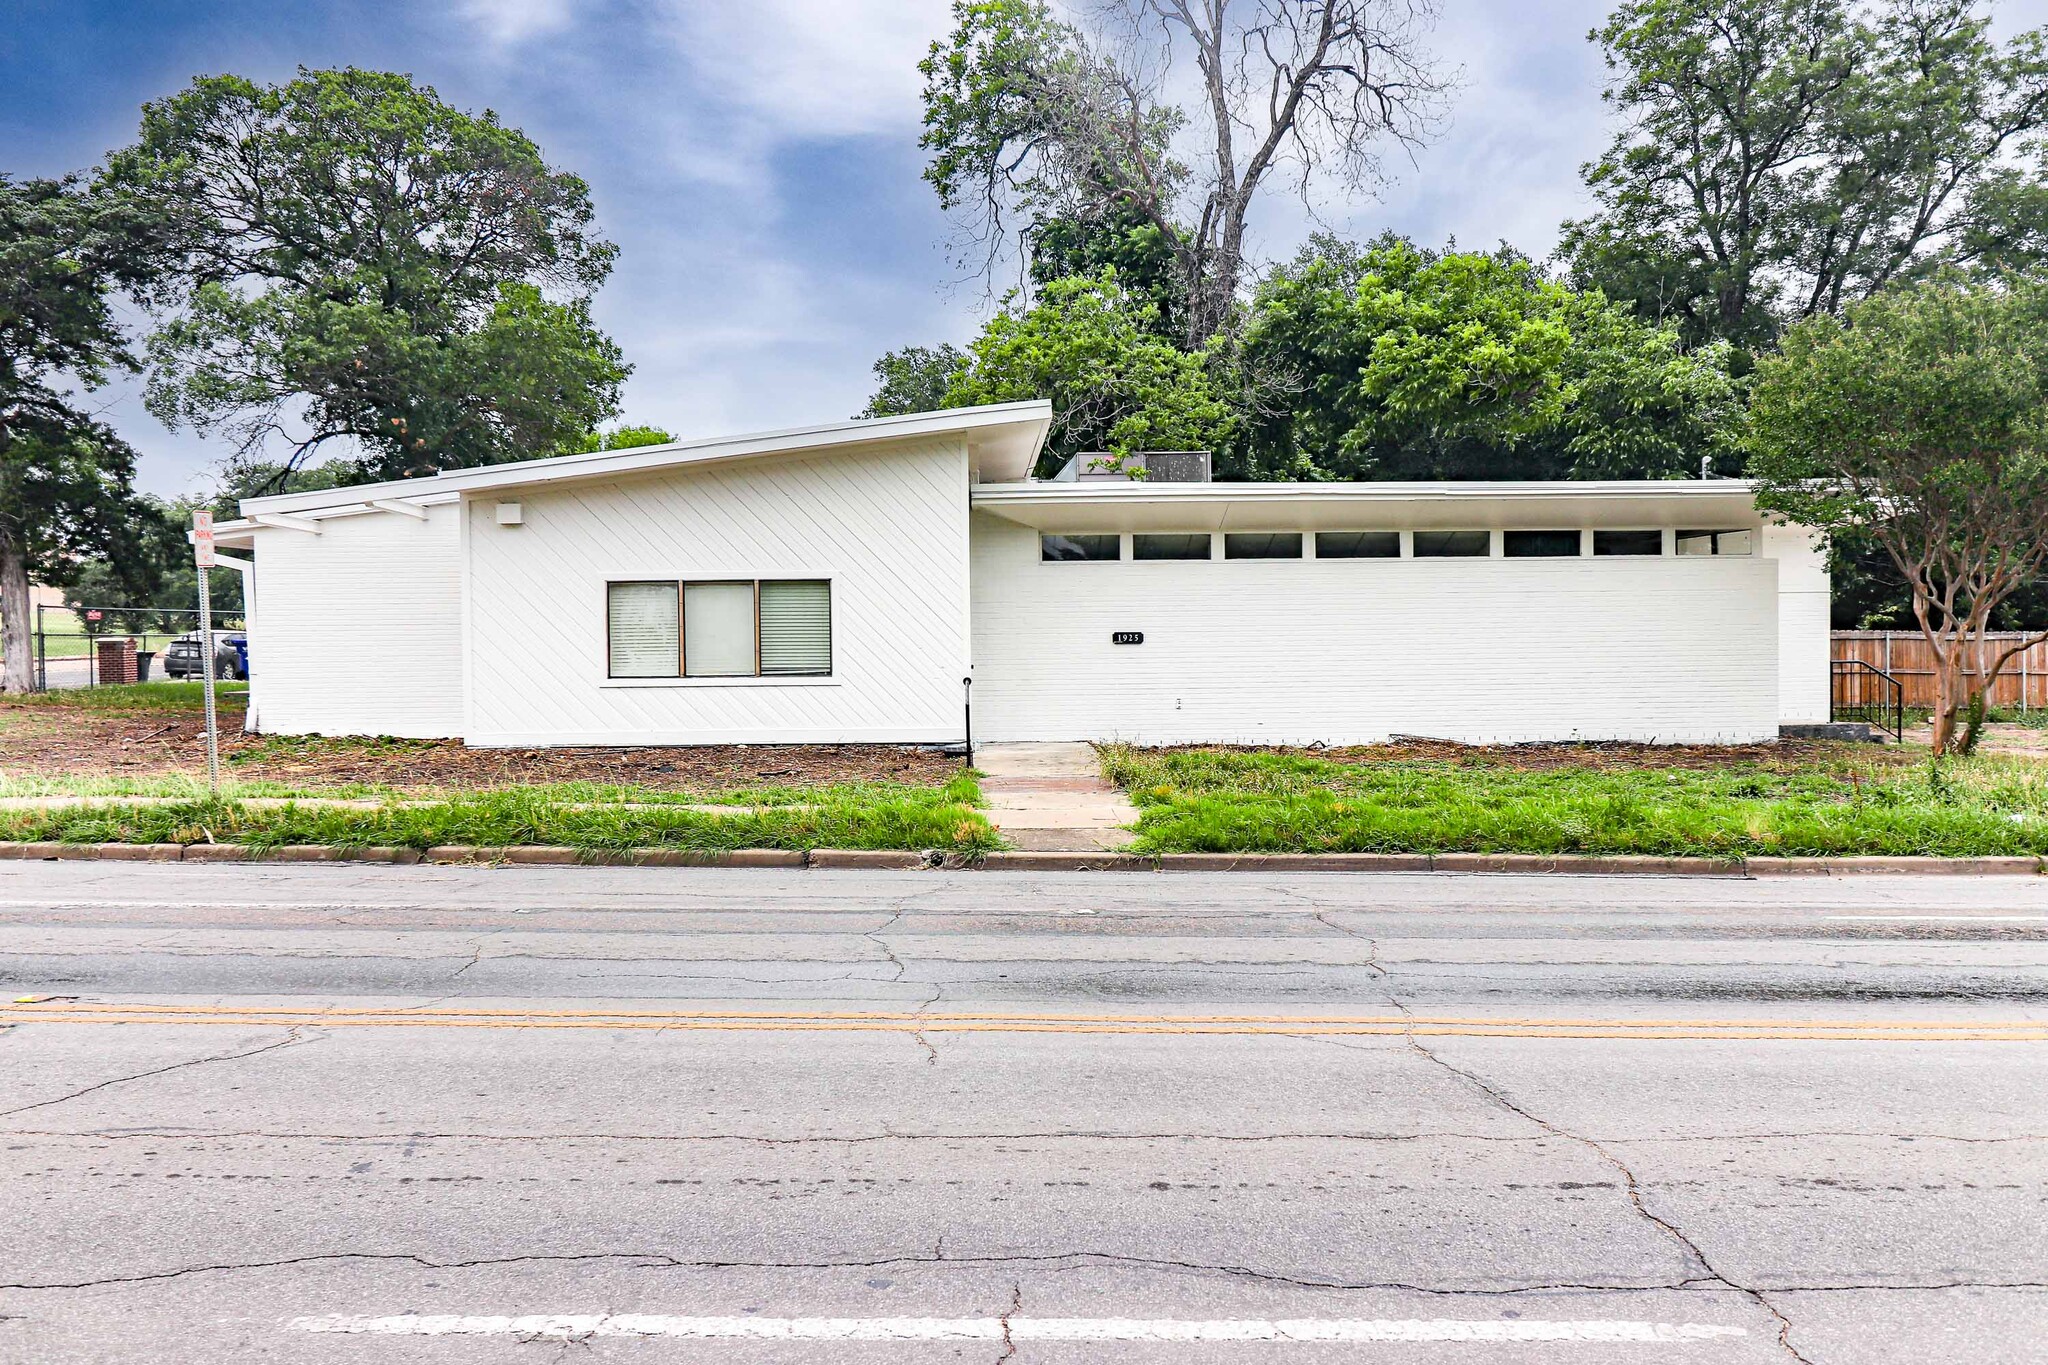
(230, 656)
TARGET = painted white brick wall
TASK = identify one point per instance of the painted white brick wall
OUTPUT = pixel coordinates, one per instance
(888, 527)
(1805, 686)
(1347, 651)
(359, 629)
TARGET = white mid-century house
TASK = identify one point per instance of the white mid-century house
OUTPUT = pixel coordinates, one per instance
(838, 583)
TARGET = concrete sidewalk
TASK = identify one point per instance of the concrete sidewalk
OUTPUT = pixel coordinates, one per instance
(1052, 798)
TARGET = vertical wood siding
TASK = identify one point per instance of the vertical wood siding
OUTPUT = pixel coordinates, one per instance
(1348, 651)
(889, 528)
(1904, 654)
(359, 629)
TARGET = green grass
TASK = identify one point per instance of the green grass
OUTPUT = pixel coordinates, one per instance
(149, 696)
(193, 787)
(875, 816)
(1230, 801)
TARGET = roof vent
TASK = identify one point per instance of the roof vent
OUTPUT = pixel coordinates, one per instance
(1149, 466)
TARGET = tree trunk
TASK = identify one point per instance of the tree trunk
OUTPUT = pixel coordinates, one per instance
(1947, 699)
(15, 641)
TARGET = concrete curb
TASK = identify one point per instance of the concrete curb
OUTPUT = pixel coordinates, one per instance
(1027, 860)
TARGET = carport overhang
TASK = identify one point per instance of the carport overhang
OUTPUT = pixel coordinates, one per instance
(1712, 504)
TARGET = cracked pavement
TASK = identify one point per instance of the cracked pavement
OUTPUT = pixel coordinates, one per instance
(1872, 1198)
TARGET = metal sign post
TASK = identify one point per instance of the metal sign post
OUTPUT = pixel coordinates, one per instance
(967, 714)
(202, 557)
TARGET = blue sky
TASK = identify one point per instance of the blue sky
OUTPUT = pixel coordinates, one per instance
(757, 162)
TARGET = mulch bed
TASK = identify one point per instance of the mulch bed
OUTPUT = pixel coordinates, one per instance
(53, 741)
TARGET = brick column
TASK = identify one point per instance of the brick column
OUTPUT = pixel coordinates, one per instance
(117, 661)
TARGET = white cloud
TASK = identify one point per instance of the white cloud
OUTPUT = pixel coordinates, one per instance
(507, 23)
(809, 68)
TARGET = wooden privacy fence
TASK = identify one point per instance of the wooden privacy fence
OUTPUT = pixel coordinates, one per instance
(2023, 682)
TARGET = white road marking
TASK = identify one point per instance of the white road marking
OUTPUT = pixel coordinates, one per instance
(568, 1325)
(55, 904)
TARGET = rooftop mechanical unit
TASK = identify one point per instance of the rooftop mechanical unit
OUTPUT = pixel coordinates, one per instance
(1148, 466)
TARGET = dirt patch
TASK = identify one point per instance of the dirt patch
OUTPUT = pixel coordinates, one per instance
(51, 741)
(2025, 741)
(1785, 755)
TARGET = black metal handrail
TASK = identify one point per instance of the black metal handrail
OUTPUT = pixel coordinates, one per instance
(1863, 691)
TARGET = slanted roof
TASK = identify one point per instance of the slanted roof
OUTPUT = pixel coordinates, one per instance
(1003, 441)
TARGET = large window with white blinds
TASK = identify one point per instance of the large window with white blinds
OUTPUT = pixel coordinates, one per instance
(796, 627)
(735, 628)
(718, 630)
(643, 630)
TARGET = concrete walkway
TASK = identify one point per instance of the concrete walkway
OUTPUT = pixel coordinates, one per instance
(1052, 797)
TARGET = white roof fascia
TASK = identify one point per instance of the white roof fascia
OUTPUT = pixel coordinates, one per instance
(1046, 491)
(1323, 506)
(1012, 435)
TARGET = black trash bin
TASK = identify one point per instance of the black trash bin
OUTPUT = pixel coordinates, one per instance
(142, 661)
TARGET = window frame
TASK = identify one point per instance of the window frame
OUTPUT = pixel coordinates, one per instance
(682, 675)
(1416, 550)
(1665, 546)
(1714, 550)
(1116, 536)
(1301, 546)
(683, 586)
(611, 583)
(831, 630)
(1578, 535)
(1316, 539)
(1208, 539)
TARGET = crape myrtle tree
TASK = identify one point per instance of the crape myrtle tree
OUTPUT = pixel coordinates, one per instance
(66, 481)
(1919, 423)
(360, 262)
(1036, 127)
(1779, 159)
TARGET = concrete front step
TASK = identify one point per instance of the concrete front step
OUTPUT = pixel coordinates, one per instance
(1056, 839)
(1052, 798)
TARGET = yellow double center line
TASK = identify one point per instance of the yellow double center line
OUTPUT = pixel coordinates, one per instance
(894, 1021)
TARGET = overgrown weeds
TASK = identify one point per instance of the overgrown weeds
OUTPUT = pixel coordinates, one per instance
(1860, 802)
(846, 817)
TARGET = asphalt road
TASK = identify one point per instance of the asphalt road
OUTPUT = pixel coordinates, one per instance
(434, 1114)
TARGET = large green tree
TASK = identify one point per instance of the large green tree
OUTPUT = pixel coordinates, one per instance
(1032, 122)
(66, 481)
(1115, 235)
(1394, 362)
(1919, 424)
(914, 379)
(1780, 158)
(362, 262)
(155, 586)
(618, 438)
(1116, 386)
(66, 498)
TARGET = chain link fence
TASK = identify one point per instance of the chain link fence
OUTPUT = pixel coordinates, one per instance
(69, 646)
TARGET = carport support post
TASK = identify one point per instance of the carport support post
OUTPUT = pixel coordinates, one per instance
(206, 671)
